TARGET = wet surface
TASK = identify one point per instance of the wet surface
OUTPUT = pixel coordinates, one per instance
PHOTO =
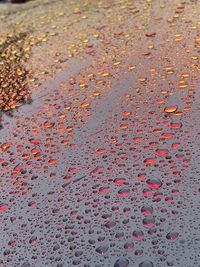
(101, 167)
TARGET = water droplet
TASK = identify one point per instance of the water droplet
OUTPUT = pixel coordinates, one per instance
(172, 236)
(146, 264)
(154, 183)
(122, 262)
(102, 249)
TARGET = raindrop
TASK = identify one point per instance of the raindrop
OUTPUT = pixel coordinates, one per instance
(122, 262)
(172, 236)
(146, 264)
(102, 249)
(138, 234)
(154, 183)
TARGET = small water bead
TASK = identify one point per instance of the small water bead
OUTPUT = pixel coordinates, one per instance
(33, 240)
(176, 125)
(122, 262)
(139, 252)
(102, 249)
(150, 34)
(146, 264)
(104, 190)
(148, 222)
(119, 236)
(162, 152)
(138, 234)
(152, 231)
(26, 264)
(119, 181)
(91, 241)
(129, 246)
(32, 204)
(147, 192)
(170, 263)
(110, 224)
(3, 207)
(146, 210)
(76, 262)
(124, 192)
(154, 183)
(172, 236)
(171, 109)
(150, 161)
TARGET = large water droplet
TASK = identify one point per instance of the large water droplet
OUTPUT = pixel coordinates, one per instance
(122, 262)
(172, 236)
(146, 264)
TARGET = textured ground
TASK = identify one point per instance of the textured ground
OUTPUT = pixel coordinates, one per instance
(100, 107)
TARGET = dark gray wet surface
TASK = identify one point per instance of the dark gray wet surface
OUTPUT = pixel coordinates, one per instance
(101, 168)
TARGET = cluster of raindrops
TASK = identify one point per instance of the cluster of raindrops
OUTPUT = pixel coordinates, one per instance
(102, 168)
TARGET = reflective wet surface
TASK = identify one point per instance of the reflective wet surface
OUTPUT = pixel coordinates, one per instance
(100, 134)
